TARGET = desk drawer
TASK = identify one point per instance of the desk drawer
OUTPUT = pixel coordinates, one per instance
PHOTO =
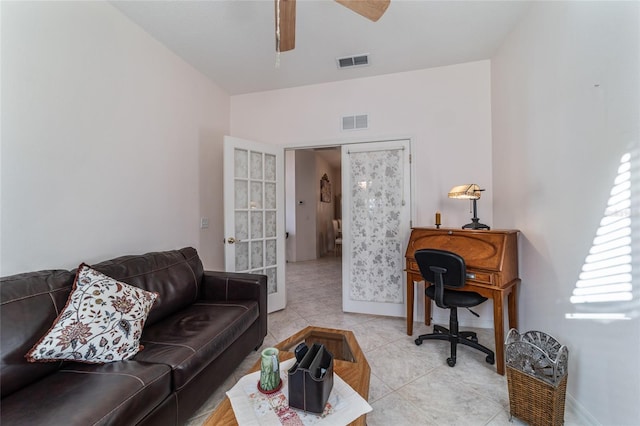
(481, 277)
(486, 278)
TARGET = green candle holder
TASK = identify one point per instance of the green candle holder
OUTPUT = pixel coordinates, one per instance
(269, 371)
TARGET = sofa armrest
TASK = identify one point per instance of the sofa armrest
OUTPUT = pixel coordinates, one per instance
(225, 286)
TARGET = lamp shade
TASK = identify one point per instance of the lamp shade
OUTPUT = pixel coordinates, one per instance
(465, 192)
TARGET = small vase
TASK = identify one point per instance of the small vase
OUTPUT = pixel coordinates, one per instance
(269, 370)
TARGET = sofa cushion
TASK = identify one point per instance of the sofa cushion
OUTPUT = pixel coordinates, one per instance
(29, 303)
(90, 394)
(195, 336)
(101, 322)
(175, 275)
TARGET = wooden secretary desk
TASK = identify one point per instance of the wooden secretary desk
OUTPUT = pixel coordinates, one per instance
(491, 258)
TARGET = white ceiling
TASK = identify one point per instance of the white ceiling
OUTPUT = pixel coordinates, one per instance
(233, 41)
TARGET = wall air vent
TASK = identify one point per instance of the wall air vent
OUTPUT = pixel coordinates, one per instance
(353, 61)
(355, 122)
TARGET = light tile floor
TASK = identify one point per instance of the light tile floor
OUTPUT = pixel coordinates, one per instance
(410, 385)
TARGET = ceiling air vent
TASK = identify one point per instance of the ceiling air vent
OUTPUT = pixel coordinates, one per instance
(353, 61)
(355, 122)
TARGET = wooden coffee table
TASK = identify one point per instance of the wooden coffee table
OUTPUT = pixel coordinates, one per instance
(348, 362)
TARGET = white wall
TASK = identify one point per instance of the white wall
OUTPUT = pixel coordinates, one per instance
(565, 96)
(111, 144)
(445, 111)
(306, 213)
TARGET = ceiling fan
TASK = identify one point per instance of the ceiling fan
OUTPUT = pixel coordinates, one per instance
(286, 18)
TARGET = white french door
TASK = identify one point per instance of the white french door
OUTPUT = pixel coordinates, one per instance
(254, 213)
(376, 192)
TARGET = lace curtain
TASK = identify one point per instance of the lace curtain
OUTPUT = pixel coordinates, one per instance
(377, 246)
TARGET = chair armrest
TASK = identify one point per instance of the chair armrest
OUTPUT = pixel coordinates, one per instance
(225, 286)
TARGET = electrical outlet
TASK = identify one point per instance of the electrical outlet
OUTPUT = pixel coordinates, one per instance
(204, 222)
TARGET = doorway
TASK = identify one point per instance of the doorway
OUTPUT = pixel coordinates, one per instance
(374, 180)
(313, 200)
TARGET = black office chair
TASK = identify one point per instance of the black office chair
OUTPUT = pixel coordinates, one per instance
(443, 269)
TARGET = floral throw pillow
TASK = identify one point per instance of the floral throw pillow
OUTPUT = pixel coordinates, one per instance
(102, 321)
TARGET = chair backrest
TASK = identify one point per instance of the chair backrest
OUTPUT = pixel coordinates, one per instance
(435, 264)
(336, 228)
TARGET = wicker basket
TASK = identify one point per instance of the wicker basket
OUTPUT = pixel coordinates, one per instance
(535, 401)
(537, 377)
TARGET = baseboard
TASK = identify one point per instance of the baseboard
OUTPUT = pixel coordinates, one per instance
(581, 415)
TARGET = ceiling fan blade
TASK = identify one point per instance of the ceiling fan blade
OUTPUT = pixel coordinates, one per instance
(287, 20)
(370, 9)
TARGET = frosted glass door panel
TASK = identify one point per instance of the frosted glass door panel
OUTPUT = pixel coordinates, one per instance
(241, 192)
(242, 225)
(257, 259)
(376, 191)
(256, 224)
(242, 256)
(270, 224)
(376, 249)
(270, 195)
(269, 167)
(256, 165)
(241, 163)
(270, 252)
(254, 213)
(256, 195)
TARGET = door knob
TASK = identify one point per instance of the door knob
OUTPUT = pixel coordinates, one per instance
(231, 240)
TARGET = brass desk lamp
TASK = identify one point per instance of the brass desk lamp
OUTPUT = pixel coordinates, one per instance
(469, 192)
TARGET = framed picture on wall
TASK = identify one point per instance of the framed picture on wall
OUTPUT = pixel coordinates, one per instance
(325, 189)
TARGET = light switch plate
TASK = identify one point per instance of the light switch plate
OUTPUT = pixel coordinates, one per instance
(204, 222)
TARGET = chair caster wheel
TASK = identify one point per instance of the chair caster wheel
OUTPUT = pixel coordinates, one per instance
(418, 342)
(451, 362)
(490, 360)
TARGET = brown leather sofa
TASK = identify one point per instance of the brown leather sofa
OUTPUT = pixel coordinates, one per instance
(201, 327)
